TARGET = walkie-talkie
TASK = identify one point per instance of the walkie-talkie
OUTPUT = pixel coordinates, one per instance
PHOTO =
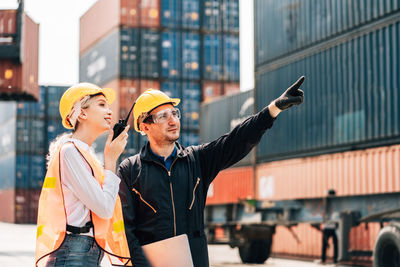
(121, 124)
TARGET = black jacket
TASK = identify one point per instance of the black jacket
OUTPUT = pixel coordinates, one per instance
(158, 203)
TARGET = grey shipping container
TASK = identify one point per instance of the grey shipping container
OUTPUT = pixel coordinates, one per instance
(7, 174)
(282, 27)
(351, 96)
(222, 115)
(124, 53)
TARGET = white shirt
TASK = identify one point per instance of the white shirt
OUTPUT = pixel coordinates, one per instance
(81, 190)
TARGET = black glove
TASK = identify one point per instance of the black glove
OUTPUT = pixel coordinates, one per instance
(292, 96)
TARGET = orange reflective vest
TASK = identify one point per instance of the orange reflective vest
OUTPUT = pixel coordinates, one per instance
(52, 220)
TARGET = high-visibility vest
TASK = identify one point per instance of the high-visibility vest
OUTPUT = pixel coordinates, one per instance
(109, 234)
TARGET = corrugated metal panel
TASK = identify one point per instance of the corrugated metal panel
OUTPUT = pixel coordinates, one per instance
(7, 198)
(8, 23)
(172, 89)
(8, 110)
(7, 174)
(143, 13)
(139, 53)
(100, 64)
(10, 77)
(26, 205)
(221, 116)
(371, 171)
(212, 57)
(180, 14)
(188, 138)
(310, 240)
(191, 98)
(221, 15)
(30, 57)
(351, 97)
(22, 177)
(231, 57)
(170, 55)
(37, 171)
(92, 29)
(282, 27)
(231, 185)
(190, 55)
(54, 129)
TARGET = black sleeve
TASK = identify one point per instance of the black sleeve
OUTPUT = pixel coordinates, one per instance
(128, 210)
(233, 146)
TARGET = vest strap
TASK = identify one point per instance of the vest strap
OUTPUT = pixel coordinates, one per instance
(80, 230)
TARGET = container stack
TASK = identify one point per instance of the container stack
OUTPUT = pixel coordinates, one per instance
(19, 56)
(345, 135)
(26, 130)
(181, 47)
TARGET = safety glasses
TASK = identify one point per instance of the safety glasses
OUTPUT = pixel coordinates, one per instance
(163, 116)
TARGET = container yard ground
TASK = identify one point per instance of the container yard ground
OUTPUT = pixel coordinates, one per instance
(17, 248)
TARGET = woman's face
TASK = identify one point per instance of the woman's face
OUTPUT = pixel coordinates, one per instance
(98, 114)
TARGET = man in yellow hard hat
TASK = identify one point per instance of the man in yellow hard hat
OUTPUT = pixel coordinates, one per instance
(164, 187)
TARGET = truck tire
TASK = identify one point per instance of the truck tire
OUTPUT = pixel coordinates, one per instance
(255, 251)
(387, 246)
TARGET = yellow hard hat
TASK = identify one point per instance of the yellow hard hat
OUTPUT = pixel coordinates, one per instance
(149, 100)
(76, 93)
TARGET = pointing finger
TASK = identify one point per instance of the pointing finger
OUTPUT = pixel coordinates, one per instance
(296, 85)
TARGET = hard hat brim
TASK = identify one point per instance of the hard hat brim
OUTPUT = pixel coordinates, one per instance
(108, 93)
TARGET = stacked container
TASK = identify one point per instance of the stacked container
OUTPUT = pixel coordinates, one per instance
(19, 50)
(181, 47)
(26, 131)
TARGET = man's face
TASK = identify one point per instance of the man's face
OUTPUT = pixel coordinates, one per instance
(166, 129)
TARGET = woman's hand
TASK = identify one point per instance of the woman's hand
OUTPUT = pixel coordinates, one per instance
(114, 148)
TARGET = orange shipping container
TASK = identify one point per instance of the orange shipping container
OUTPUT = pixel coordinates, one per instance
(105, 15)
(309, 242)
(7, 207)
(369, 171)
(127, 92)
(211, 90)
(231, 88)
(21, 80)
(231, 185)
(8, 23)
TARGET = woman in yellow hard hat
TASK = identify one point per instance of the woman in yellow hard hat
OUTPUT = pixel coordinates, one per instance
(80, 214)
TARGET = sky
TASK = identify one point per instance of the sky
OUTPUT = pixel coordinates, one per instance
(59, 39)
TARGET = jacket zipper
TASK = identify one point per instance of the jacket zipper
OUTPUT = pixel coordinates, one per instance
(140, 195)
(172, 191)
(194, 191)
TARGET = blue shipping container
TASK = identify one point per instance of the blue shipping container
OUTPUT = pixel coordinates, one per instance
(51, 100)
(22, 177)
(282, 27)
(180, 14)
(180, 53)
(231, 68)
(221, 15)
(37, 171)
(191, 98)
(351, 96)
(189, 139)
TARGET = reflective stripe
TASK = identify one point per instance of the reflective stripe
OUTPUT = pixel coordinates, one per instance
(50, 182)
(119, 226)
(39, 230)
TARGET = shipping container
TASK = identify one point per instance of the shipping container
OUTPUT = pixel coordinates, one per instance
(221, 57)
(7, 207)
(361, 172)
(310, 245)
(180, 14)
(282, 27)
(26, 205)
(124, 53)
(7, 174)
(8, 25)
(221, 15)
(223, 115)
(7, 136)
(190, 95)
(127, 13)
(211, 90)
(231, 185)
(51, 100)
(180, 55)
(53, 129)
(231, 88)
(352, 98)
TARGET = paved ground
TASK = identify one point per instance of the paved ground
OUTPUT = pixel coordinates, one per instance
(17, 248)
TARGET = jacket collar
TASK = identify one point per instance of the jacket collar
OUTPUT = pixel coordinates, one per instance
(147, 154)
